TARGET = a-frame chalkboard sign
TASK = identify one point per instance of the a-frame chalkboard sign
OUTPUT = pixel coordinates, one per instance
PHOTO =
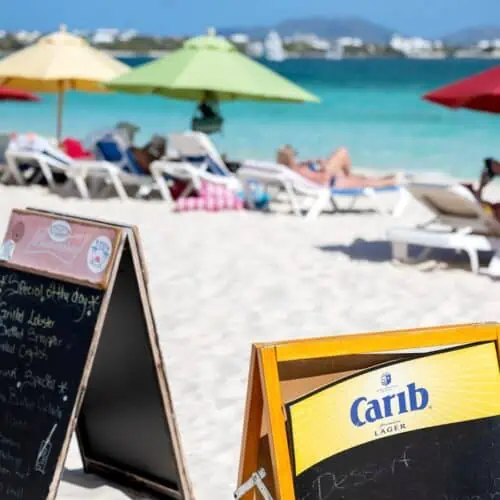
(283, 372)
(79, 351)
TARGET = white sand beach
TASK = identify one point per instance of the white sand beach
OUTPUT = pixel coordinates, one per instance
(219, 282)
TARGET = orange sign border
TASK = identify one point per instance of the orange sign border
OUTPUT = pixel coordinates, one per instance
(265, 399)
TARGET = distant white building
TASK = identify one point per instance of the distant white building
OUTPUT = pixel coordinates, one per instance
(3, 34)
(415, 46)
(27, 36)
(349, 41)
(105, 36)
(239, 38)
(489, 44)
(273, 47)
(336, 51)
(255, 49)
(309, 39)
(128, 35)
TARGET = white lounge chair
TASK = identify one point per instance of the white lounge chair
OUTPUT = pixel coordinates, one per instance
(163, 170)
(112, 147)
(197, 148)
(40, 154)
(193, 159)
(296, 185)
(79, 173)
(459, 223)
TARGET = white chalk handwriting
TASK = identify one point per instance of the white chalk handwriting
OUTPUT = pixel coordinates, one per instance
(85, 304)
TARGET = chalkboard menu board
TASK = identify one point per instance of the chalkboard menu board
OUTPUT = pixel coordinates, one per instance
(427, 427)
(79, 350)
(46, 327)
(450, 462)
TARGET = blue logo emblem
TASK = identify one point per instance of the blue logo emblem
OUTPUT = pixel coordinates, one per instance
(385, 379)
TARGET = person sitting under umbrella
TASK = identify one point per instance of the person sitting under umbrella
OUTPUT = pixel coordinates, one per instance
(336, 170)
(209, 106)
(208, 119)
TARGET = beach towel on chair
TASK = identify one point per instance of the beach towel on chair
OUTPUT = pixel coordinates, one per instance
(112, 147)
(74, 149)
(210, 198)
(35, 143)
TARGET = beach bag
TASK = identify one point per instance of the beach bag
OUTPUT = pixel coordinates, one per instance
(260, 197)
(210, 198)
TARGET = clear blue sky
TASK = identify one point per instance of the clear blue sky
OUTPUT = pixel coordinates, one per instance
(178, 17)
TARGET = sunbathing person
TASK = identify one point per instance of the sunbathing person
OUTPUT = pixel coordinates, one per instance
(147, 154)
(334, 171)
(154, 150)
(490, 170)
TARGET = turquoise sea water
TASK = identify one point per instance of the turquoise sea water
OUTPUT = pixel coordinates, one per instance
(373, 107)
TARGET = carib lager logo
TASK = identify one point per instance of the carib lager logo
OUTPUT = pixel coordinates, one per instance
(392, 404)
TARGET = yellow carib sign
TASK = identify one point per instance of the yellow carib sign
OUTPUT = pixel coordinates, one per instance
(344, 435)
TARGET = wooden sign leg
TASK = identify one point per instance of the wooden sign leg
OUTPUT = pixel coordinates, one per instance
(252, 425)
(280, 454)
(498, 342)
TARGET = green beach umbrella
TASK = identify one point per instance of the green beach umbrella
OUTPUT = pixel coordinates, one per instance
(210, 64)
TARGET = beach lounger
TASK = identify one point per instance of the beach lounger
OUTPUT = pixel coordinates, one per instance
(459, 223)
(195, 161)
(110, 146)
(4, 143)
(197, 148)
(40, 154)
(194, 177)
(296, 185)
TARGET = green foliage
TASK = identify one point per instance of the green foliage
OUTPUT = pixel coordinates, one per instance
(144, 44)
(9, 43)
(300, 47)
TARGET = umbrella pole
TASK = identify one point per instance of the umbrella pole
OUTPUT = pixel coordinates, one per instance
(60, 105)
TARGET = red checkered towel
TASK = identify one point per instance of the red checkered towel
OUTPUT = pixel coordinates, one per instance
(211, 198)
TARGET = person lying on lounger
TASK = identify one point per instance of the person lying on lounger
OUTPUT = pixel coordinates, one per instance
(490, 170)
(336, 170)
(154, 150)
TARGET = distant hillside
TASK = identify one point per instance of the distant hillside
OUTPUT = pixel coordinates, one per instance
(325, 28)
(471, 36)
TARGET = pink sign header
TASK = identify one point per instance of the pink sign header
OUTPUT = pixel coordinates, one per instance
(60, 247)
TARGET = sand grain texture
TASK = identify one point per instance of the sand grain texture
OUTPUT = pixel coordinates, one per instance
(219, 282)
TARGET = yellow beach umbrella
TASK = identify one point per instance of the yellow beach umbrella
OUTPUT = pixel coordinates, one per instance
(57, 63)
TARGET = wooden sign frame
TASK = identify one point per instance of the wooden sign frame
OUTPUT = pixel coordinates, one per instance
(126, 240)
(265, 440)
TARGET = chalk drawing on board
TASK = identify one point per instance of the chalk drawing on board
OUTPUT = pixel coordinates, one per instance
(63, 388)
(44, 452)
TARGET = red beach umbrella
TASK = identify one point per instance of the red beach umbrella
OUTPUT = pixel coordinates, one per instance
(480, 92)
(17, 95)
